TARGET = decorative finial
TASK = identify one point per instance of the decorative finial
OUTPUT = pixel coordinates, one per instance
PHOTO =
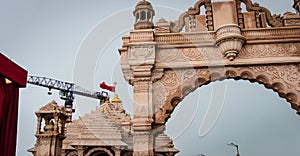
(115, 84)
(116, 98)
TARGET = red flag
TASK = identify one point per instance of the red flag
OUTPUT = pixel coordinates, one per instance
(104, 86)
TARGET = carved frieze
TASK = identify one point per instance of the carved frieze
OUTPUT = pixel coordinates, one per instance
(170, 81)
(289, 74)
(141, 35)
(139, 55)
(269, 35)
(181, 38)
(269, 50)
(291, 19)
(188, 54)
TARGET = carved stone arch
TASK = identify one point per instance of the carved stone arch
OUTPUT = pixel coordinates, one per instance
(108, 152)
(283, 79)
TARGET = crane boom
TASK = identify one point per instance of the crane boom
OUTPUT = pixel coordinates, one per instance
(67, 90)
(65, 87)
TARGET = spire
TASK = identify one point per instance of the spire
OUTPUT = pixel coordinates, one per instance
(143, 15)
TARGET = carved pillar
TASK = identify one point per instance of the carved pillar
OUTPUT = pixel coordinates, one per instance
(240, 14)
(143, 143)
(141, 59)
(38, 128)
(209, 15)
(143, 113)
(56, 122)
(192, 23)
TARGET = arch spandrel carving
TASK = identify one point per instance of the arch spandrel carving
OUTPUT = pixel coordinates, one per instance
(283, 79)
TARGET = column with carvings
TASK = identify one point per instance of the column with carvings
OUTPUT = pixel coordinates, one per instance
(143, 112)
(141, 59)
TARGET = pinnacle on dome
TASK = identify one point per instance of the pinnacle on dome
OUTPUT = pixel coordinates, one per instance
(143, 14)
(143, 3)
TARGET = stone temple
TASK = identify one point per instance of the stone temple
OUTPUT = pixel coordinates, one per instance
(165, 62)
(103, 131)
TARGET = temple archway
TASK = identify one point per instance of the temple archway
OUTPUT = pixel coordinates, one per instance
(164, 64)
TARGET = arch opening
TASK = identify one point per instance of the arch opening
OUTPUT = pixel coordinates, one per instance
(99, 152)
(249, 118)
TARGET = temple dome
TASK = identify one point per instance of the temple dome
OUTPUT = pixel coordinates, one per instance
(143, 14)
(144, 3)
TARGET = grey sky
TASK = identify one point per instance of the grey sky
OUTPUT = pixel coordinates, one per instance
(76, 40)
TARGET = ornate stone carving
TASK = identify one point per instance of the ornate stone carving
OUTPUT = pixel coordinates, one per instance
(146, 35)
(284, 79)
(170, 81)
(287, 73)
(267, 35)
(178, 25)
(166, 66)
(230, 41)
(185, 38)
(162, 26)
(291, 19)
(269, 50)
(157, 74)
(187, 54)
(273, 20)
(296, 6)
(139, 55)
(159, 95)
(51, 107)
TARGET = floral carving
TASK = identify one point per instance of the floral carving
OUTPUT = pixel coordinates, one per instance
(188, 54)
(159, 95)
(287, 73)
(284, 79)
(265, 50)
(170, 81)
(138, 55)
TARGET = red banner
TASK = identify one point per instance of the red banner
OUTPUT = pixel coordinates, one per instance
(104, 86)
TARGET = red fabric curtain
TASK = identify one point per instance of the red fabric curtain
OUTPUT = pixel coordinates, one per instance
(9, 95)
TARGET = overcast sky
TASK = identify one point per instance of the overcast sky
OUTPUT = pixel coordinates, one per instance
(77, 41)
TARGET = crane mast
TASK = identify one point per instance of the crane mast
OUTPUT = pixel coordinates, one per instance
(66, 91)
